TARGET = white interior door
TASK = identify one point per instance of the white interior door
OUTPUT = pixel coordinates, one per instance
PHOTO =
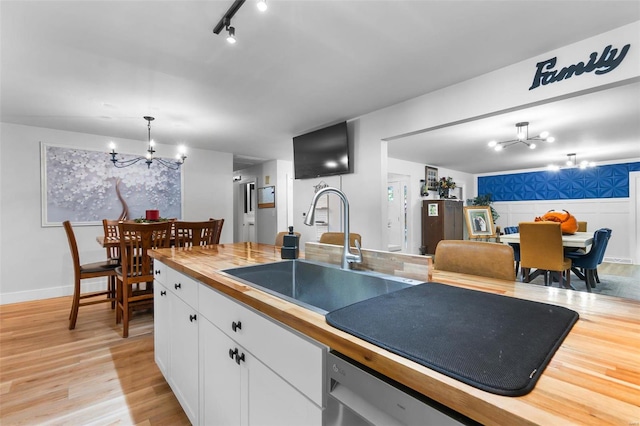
(245, 211)
(396, 215)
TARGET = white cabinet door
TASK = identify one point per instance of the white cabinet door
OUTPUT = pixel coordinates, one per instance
(183, 356)
(161, 315)
(273, 401)
(220, 390)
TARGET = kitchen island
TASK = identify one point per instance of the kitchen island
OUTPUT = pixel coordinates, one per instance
(594, 377)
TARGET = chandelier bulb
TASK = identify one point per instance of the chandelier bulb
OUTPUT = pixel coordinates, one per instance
(492, 143)
(112, 146)
(544, 134)
(550, 139)
(498, 147)
(262, 5)
(532, 146)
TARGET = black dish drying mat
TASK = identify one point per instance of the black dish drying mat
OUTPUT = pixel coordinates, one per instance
(496, 343)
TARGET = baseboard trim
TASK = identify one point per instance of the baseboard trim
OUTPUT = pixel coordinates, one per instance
(625, 261)
(94, 284)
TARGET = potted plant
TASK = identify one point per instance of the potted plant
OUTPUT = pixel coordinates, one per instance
(445, 184)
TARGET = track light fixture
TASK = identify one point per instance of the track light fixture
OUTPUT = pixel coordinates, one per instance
(522, 136)
(231, 38)
(225, 21)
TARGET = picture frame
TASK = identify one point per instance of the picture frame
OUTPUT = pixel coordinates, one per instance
(82, 186)
(266, 197)
(479, 222)
(431, 178)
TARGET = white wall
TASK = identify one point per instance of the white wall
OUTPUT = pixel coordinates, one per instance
(502, 90)
(36, 262)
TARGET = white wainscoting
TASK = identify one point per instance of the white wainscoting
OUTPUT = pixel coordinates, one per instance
(613, 213)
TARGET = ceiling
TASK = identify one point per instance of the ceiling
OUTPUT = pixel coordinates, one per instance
(99, 66)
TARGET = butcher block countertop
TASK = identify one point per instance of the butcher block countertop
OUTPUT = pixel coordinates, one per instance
(594, 377)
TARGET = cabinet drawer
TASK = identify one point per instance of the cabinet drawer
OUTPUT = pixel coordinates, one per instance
(160, 271)
(297, 359)
(186, 288)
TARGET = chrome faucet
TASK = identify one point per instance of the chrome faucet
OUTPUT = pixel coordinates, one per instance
(347, 256)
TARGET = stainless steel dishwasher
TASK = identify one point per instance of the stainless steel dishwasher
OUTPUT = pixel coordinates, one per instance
(359, 396)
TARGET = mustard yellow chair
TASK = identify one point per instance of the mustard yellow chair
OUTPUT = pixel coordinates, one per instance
(485, 259)
(541, 249)
(337, 238)
(582, 226)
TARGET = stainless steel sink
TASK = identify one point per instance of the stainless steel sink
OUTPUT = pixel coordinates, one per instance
(318, 286)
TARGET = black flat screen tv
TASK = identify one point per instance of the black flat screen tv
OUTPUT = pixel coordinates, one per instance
(323, 152)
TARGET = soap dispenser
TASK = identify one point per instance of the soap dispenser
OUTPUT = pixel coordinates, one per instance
(290, 243)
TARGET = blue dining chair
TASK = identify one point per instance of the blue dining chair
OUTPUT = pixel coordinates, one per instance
(515, 246)
(588, 262)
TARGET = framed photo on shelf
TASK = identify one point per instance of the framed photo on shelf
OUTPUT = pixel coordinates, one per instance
(431, 176)
(479, 222)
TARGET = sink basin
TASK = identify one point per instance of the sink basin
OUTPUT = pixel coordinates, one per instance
(318, 286)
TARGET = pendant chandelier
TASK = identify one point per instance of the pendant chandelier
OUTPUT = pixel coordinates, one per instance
(572, 162)
(522, 136)
(149, 158)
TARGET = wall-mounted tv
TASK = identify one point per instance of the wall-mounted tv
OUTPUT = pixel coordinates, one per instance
(323, 152)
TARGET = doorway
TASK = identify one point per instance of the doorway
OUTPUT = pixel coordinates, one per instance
(397, 210)
(245, 228)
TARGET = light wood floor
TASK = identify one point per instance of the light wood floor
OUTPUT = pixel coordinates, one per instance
(51, 375)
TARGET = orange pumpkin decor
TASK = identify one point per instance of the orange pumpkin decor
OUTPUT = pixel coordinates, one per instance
(568, 222)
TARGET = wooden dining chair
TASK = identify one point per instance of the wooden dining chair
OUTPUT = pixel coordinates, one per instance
(337, 238)
(112, 232)
(134, 288)
(541, 249)
(105, 268)
(216, 235)
(189, 234)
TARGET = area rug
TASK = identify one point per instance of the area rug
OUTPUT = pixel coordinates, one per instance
(610, 285)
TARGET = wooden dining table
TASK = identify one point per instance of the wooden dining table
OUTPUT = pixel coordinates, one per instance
(577, 240)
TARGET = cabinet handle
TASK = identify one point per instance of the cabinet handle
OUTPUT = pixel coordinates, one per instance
(157, 271)
(235, 326)
(193, 317)
(239, 358)
(163, 293)
(177, 286)
(233, 352)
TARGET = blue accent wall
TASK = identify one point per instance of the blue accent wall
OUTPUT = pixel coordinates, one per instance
(610, 181)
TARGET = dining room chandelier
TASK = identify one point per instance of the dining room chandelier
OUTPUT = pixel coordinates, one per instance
(522, 136)
(149, 158)
(572, 162)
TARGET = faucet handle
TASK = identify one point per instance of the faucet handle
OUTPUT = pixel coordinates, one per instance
(355, 257)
